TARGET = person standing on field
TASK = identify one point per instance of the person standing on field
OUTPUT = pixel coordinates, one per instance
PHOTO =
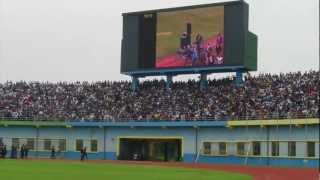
(81, 154)
(53, 152)
(22, 152)
(85, 155)
(4, 151)
(26, 151)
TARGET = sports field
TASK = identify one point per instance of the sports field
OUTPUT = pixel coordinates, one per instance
(60, 170)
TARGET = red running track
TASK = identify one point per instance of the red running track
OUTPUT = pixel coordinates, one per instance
(257, 172)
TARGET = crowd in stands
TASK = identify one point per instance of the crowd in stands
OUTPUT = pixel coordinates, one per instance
(291, 95)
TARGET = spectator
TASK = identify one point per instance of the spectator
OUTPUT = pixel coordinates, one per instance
(292, 95)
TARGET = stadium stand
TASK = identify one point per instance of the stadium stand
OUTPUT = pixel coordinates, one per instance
(265, 96)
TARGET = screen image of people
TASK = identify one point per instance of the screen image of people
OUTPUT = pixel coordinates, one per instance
(190, 38)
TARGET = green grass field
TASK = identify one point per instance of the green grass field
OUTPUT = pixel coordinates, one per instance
(207, 21)
(59, 170)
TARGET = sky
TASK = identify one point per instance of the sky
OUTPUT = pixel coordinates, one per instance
(80, 40)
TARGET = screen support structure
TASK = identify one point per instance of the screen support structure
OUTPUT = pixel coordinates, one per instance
(135, 83)
(239, 78)
(203, 81)
(169, 82)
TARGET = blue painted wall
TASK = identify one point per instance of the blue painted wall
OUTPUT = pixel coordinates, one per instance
(193, 137)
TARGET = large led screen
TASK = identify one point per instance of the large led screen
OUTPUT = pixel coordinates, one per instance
(193, 39)
(190, 38)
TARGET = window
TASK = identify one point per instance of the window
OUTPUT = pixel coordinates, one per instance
(256, 146)
(241, 148)
(94, 145)
(15, 142)
(274, 148)
(291, 148)
(47, 144)
(62, 145)
(30, 143)
(222, 148)
(311, 146)
(207, 148)
(79, 144)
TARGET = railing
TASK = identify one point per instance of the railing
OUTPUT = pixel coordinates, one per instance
(41, 119)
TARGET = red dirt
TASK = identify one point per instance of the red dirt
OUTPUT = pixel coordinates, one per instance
(175, 60)
(258, 173)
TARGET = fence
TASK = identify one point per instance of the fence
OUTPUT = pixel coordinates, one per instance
(262, 117)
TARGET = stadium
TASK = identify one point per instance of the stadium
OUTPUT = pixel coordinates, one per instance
(243, 126)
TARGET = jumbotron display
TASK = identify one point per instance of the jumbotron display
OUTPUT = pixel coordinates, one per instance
(191, 37)
(184, 40)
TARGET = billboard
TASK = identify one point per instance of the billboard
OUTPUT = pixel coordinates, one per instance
(189, 38)
(211, 38)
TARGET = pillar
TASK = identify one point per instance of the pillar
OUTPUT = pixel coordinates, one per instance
(169, 82)
(239, 78)
(203, 81)
(135, 83)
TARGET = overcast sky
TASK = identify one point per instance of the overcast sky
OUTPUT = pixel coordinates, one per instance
(68, 40)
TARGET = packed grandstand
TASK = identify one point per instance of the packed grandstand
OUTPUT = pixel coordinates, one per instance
(265, 96)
